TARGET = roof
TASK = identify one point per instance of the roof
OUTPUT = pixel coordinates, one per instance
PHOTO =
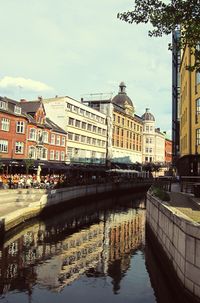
(121, 98)
(147, 116)
(30, 106)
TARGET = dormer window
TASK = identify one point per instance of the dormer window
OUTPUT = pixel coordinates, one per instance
(17, 110)
(3, 105)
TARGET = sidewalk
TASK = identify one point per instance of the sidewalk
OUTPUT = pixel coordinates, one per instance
(186, 203)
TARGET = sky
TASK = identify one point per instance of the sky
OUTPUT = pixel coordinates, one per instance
(78, 47)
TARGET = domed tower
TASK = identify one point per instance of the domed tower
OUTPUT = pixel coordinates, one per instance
(148, 136)
(147, 116)
(122, 100)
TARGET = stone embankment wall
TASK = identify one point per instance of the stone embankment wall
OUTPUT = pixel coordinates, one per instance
(180, 239)
(17, 206)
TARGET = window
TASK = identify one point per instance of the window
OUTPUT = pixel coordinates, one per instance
(62, 156)
(89, 127)
(19, 147)
(17, 109)
(5, 124)
(57, 140)
(197, 78)
(93, 116)
(51, 154)
(32, 152)
(77, 123)
(52, 139)
(45, 137)
(63, 141)
(147, 140)
(87, 114)
(3, 105)
(147, 128)
(88, 140)
(69, 106)
(93, 141)
(20, 127)
(57, 155)
(83, 139)
(94, 129)
(198, 136)
(70, 136)
(81, 111)
(99, 130)
(83, 125)
(3, 146)
(77, 137)
(71, 121)
(75, 109)
(43, 153)
(198, 106)
(32, 134)
(104, 132)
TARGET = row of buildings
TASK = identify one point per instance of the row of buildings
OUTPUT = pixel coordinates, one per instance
(185, 110)
(62, 129)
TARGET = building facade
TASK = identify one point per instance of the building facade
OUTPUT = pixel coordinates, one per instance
(124, 127)
(153, 140)
(26, 132)
(86, 128)
(189, 163)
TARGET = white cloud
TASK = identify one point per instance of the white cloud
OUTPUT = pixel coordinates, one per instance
(26, 84)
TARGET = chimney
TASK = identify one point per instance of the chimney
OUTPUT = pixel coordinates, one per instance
(81, 99)
(40, 98)
(23, 100)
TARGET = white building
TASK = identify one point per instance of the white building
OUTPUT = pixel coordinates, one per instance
(86, 127)
(153, 140)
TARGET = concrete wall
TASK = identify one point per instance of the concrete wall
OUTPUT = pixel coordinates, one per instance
(180, 239)
(20, 205)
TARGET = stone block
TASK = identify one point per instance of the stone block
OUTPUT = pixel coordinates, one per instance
(192, 273)
(181, 242)
(189, 285)
(180, 275)
(190, 249)
(193, 229)
(197, 290)
(197, 253)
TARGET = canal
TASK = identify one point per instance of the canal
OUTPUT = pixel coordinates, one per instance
(93, 253)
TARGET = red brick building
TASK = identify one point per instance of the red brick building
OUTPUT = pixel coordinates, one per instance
(26, 132)
(168, 151)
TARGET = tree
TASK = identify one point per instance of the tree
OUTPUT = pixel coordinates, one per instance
(28, 163)
(167, 17)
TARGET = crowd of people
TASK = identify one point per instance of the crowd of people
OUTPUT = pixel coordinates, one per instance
(14, 181)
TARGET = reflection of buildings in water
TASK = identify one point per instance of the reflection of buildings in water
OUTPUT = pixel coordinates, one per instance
(126, 235)
(58, 263)
(55, 255)
(80, 251)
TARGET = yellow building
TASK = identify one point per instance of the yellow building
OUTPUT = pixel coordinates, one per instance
(189, 116)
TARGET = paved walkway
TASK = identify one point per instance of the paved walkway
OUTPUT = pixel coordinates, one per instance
(185, 203)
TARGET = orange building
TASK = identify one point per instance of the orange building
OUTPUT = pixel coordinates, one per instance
(168, 151)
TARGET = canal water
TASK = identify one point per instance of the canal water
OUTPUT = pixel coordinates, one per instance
(90, 254)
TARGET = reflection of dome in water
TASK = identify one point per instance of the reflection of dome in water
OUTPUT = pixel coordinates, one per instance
(121, 98)
(147, 116)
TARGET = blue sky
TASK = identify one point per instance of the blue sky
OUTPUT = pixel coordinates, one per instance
(79, 47)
